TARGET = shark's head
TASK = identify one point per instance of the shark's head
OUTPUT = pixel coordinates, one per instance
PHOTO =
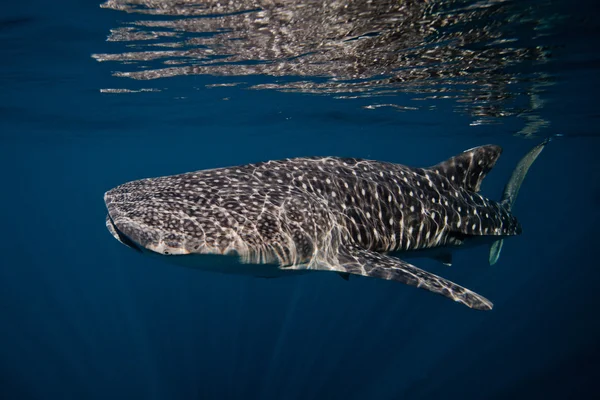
(140, 219)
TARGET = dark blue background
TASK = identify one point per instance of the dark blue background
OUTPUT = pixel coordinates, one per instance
(83, 317)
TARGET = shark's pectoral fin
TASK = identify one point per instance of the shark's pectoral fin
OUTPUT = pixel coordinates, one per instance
(355, 260)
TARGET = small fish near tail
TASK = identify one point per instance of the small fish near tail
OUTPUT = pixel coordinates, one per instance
(511, 190)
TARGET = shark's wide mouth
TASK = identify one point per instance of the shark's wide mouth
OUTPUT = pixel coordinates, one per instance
(130, 208)
(120, 236)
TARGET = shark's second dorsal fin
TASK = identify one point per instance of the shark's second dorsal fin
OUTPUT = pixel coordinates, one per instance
(468, 169)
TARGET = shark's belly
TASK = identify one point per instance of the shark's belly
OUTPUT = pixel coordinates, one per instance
(226, 265)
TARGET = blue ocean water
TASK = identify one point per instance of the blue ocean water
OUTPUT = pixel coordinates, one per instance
(95, 94)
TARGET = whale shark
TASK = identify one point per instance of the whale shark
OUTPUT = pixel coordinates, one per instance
(346, 215)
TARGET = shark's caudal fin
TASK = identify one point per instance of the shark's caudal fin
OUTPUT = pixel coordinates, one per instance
(468, 169)
(512, 189)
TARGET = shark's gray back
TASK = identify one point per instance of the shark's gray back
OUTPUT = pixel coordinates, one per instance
(285, 211)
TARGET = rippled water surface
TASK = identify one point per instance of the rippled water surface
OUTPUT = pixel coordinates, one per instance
(94, 94)
(487, 57)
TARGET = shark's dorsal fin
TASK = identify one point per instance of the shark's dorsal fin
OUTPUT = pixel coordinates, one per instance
(468, 169)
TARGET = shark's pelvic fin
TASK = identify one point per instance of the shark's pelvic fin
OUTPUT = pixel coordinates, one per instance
(358, 261)
(469, 167)
(344, 275)
(511, 190)
(444, 258)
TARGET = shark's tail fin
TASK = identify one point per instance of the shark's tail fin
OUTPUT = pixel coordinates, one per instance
(512, 189)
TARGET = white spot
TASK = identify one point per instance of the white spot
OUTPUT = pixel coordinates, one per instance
(474, 226)
(412, 208)
(368, 214)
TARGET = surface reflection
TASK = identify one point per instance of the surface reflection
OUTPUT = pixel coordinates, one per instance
(477, 53)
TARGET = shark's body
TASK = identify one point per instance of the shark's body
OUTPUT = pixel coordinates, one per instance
(336, 214)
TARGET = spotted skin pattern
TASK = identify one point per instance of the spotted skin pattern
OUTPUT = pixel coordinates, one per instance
(321, 213)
